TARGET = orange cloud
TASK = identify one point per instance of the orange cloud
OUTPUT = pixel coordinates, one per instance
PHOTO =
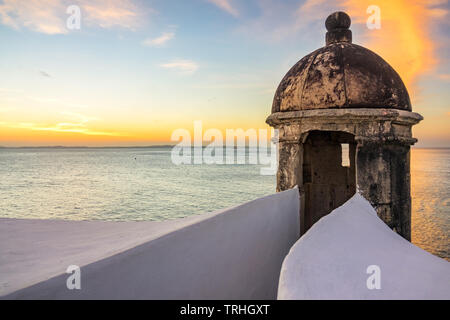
(404, 39)
(79, 128)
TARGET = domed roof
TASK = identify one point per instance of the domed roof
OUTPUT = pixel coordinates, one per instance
(341, 75)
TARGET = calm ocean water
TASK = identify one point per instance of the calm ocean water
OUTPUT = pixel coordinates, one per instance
(142, 184)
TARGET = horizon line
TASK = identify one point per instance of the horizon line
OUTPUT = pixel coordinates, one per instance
(148, 146)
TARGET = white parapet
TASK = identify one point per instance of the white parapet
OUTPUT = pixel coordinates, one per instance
(230, 254)
(352, 254)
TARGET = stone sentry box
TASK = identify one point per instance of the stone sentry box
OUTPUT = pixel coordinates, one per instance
(344, 119)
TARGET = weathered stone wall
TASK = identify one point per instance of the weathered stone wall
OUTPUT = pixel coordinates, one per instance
(383, 138)
(383, 176)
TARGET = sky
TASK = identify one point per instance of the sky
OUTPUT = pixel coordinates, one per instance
(135, 71)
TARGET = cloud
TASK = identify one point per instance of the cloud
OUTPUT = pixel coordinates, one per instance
(49, 16)
(73, 123)
(314, 11)
(69, 128)
(182, 66)
(41, 16)
(279, 21)
(445, 77)
(78, 118)
(107, 14)
(44, 74)
(159, 41)
(226, 6)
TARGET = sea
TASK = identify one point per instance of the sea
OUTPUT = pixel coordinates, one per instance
(142, 184)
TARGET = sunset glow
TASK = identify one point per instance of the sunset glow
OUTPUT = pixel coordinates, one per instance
(134, 73)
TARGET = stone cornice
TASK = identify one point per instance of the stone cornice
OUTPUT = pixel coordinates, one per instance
(343, 115)
(367, 125)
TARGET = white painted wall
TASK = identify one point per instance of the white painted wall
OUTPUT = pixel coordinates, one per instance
(231, 254)
(330, 261)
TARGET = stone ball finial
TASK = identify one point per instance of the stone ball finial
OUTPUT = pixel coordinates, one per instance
(338, 20)
(338, 24)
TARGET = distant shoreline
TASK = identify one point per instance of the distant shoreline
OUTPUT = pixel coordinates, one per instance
(88, 147)
(139, 147)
